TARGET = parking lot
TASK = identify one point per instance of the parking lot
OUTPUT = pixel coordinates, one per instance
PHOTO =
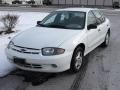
(101, 71)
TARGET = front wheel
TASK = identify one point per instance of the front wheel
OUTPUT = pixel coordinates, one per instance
(77, 60)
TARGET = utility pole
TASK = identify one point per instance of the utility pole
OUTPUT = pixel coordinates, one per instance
(95, 2)
(112, 2)
(72, 2)
(65, 2)
(87, 2)
(103, 2)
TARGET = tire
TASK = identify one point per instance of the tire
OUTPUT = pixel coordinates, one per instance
(107, 40)
(77, 60)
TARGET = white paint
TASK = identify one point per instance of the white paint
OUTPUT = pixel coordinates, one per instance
(41, 37)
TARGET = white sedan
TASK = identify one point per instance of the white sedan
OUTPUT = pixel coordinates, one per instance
(60, 41)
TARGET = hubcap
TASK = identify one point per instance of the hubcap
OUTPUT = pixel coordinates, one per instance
(107, 39)
(78, 58)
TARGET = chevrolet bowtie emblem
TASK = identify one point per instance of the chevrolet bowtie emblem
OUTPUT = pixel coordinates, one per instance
(23, 50)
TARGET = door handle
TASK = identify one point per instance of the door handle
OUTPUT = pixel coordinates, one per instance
(99, 30)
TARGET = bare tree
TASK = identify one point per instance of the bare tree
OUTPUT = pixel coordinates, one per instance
(9, 22)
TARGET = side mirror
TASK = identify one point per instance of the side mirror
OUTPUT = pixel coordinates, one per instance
(91, 26)
(38, 22)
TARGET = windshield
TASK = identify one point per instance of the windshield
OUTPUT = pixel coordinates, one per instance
(65, 19)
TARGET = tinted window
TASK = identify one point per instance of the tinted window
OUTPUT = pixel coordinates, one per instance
(100, 17)
(91, 18)
(51, 19)
(65, 19)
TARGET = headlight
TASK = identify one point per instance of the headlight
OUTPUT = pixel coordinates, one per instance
(52, 51)
(10, 45)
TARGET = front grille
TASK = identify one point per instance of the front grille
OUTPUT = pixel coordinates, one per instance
(26, 50)
(27, 65)
(26, 47)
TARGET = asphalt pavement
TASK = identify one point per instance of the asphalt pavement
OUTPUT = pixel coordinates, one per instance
(101, 72)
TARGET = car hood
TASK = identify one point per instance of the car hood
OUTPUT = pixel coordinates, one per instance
(39, 37)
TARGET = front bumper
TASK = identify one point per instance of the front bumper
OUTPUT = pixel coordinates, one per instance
(57, 63)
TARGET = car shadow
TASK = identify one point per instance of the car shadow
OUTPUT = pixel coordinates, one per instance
(38, 78)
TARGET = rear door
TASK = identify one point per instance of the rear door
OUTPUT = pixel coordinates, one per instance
(101, 23)
(92, 34)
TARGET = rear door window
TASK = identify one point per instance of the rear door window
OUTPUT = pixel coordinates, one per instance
(91, 18)
(100, 17)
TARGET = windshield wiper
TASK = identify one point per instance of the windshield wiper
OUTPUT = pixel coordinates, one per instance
(42, 25)
(57, 26)
(53, 26)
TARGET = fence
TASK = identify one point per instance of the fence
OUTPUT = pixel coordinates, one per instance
(73, 3)
(84, 2)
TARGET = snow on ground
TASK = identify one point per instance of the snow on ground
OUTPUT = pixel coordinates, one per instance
(26, 21)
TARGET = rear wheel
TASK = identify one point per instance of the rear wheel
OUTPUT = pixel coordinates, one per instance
(77, 60)
(107, 40)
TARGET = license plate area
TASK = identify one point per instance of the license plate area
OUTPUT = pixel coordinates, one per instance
(20, 61)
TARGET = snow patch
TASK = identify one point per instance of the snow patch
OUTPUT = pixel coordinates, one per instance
(26, 21)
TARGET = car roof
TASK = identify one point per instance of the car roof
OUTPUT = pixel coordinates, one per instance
(77, 9)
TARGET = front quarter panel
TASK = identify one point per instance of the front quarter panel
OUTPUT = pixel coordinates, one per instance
(70, 44)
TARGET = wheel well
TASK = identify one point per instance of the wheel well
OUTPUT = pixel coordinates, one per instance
(82, 45)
